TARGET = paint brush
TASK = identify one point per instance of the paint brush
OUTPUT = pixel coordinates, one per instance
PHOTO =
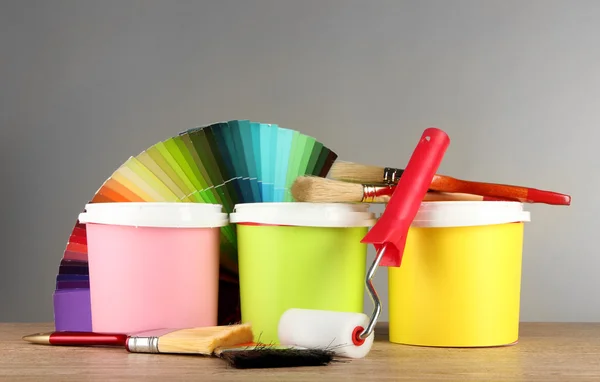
(232, 343)
(201, 340)
(323, 190)
(359, 173)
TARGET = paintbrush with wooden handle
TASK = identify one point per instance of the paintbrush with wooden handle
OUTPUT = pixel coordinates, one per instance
(233, 343)
(366, 174)
(316, 189)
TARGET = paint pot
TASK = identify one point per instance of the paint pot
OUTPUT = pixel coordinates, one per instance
(153, 265)
(460, 279)
(299, 255)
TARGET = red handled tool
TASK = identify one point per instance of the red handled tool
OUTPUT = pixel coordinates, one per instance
(388, 235)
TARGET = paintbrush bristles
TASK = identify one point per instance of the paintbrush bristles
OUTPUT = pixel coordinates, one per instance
(204, 340)
(357, 173)
(315, 189)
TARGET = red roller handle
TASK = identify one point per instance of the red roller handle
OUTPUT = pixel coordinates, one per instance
(392, 228)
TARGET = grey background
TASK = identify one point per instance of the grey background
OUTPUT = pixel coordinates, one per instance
(516, 85)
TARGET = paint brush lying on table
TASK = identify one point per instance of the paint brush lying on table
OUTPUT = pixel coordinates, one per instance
(374, 175)
(233, 343)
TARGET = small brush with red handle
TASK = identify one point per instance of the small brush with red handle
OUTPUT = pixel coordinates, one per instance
(366, 174)
(315, 189)
(520, 193)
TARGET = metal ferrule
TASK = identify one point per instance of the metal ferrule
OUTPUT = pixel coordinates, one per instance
(371, 193)
(392, 175)
(143, 344)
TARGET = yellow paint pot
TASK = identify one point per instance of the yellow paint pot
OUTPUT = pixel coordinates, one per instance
(459, 283)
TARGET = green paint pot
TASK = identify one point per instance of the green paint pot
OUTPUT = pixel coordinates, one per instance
(299, 255)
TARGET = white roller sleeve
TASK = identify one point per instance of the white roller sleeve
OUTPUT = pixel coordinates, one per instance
(324, 329)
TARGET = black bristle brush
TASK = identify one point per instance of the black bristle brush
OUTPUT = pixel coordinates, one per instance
(263, 356)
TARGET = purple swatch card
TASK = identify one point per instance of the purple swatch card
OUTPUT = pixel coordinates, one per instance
(72, 311)
(73, 285)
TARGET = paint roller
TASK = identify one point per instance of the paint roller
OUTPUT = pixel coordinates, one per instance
(350, 334)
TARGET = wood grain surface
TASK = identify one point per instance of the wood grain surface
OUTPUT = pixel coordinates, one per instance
(545, 352)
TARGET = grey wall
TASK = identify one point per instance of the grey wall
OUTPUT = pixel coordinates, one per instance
(516, 85)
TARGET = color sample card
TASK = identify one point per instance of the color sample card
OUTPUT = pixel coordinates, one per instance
(226, 163)
(72, 285)
(67, 277)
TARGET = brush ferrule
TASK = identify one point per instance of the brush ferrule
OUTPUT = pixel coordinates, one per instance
(143, 344)
(392, 175)
(371, 193)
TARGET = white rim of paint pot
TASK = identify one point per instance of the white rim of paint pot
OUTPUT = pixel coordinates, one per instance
(469, 213)
(155, 214)
(304, 214)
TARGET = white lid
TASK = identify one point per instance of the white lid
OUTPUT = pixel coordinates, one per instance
(304, 214)
(469, 213)
(159, 214)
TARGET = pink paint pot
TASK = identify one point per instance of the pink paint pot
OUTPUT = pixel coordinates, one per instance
(153, 265)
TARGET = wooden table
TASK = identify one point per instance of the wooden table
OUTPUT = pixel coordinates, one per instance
(545, 352)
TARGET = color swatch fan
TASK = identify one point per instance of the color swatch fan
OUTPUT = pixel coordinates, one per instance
(224, 163)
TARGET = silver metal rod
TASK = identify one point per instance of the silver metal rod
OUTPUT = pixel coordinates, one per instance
(373, 293)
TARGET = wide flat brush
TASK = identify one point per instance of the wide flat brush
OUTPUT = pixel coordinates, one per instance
(322, 190)
(366, 174)
(202, 340)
